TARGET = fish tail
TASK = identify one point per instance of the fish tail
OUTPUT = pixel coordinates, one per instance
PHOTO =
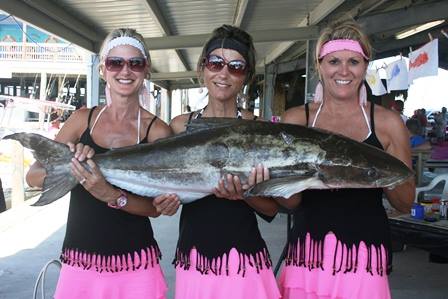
(55, 157)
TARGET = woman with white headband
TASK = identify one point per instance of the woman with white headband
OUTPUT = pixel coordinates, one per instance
(339, 246)
(109, 250)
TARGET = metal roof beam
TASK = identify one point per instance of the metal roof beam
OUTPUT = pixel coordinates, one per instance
(240, 12)
(85, 38)
(173, 76)
(157, 15)
(259, 36)
(325, 8)
(59, 14)
(400, 18)
(403, 45)
(175, 85)
(185, 75)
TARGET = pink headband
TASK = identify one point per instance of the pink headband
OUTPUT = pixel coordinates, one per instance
(339, 45)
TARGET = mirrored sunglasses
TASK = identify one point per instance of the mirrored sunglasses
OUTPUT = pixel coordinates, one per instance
(215, 63)
(116, 64)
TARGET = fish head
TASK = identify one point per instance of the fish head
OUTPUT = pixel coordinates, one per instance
(362, 166)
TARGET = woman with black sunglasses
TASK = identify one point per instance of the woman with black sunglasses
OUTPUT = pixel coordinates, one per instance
(109, 250)
(220, 253)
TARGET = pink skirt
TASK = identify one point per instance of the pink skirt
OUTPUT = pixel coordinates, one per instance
(301, 283)
(191, 284)
(75, 283)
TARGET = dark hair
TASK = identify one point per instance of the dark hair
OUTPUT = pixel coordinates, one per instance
(399, 105)
(238, 35)
(414, 126)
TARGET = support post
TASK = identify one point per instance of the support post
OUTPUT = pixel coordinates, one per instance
(42, 97)
(269, 91)
(312, 78)
(17, 188)
(93, 81)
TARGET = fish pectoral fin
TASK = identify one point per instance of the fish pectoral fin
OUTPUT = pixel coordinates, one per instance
(284, 187)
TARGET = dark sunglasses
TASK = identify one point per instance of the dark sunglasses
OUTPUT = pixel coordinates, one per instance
(116, 64)
(215, 63)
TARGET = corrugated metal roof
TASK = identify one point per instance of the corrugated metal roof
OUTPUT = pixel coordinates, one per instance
(110, 14)
(197, 16)
(86, 22)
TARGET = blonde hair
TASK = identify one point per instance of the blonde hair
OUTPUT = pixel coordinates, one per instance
(343, 30)
(122, 32)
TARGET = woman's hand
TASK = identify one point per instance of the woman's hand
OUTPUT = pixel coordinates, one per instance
(166, 204)
(94, 182)
(257, 175)
(91, 179)
(81, 151)
(233, 189)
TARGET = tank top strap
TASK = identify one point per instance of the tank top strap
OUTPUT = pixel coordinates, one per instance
(90, 115)
(372, 117)
(307, 113)
(190, 117)
(150, 125)
(367, 121)
(317, 115)
(97, 118)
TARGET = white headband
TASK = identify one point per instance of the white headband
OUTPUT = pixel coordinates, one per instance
(121, 41)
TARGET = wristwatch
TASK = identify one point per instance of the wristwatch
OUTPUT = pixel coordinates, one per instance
(120, 202)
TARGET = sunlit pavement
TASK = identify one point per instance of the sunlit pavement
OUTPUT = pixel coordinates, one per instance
(31, 236)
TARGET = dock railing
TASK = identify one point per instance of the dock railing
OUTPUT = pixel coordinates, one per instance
(42, 52)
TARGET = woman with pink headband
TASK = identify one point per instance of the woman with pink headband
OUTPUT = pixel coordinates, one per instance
(340, 245)
(109, 250)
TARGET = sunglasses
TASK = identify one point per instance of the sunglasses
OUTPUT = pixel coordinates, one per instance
(215, 63)
(116, 64)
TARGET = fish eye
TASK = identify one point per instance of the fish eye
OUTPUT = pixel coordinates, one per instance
(372, 172)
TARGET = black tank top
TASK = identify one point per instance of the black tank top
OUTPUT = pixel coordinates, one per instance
(214, 226)
(98, 236)
(353, 215)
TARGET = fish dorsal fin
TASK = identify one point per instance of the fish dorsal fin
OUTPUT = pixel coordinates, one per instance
(285, 187)
(207, 123)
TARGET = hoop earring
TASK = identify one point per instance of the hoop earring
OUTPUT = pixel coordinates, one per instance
(107, 92)
(319, 93)
(363, 95)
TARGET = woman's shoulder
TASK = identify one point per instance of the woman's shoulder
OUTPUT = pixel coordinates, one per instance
(82, 112)
(387, 117)
(79, 118)
(295, 115)
(157, 127)
(247, 114)
(178, 123)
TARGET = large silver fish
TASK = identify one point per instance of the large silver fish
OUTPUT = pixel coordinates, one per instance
(190, 164)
